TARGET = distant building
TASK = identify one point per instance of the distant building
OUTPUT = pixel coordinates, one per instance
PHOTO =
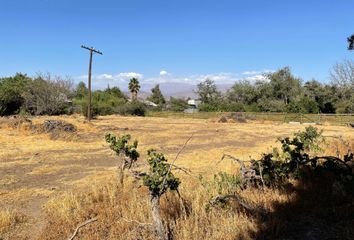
(146, 102)
(149, 103)
(193, 105)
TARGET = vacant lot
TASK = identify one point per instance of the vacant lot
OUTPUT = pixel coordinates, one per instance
(35, 168)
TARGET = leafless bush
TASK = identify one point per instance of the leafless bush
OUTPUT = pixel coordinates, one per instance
(342, 75)
(48, 94)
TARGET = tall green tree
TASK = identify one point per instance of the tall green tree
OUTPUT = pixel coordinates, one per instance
(244, 92)
(208, 92)
(134, 88)
(115, 92)
(156, 96)
(322, 94)
(284, 85)
(177, 105)
(81, 90)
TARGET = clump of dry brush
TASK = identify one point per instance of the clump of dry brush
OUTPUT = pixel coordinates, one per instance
(56, 129)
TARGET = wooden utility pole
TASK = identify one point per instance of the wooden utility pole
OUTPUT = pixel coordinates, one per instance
(92, 50)
(351, 42)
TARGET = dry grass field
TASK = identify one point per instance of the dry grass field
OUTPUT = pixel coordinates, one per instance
(48, 186)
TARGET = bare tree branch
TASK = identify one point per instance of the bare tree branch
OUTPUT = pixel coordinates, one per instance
(80, 226)
(247, 173)
(185, 170)
(333, 159)
(172, 164)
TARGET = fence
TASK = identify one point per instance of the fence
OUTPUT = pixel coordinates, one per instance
(335, 119)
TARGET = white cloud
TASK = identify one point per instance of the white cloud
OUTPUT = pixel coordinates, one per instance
(256, 72)
(121, 79)
(129, 75)
(250, 72)
(163, 73)
(125, 76)
(258, 77)
(101, 81)
(218, 78)
(104, 77)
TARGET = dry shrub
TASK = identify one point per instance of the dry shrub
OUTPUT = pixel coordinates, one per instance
(16, 122)
(339, 147)
(117, 211)
(222, 119)
(8, 220)
(239, 117)
(57, 129)
(235, 117)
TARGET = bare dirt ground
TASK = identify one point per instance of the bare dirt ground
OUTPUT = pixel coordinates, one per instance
(35, 168)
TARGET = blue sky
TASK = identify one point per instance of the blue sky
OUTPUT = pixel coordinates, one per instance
(181, 40)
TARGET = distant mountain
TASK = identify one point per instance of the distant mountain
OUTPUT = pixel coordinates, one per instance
(177, 89)
(224, 87)
(171, 89)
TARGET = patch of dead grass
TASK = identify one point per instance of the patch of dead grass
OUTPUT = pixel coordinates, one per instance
(119, 212)
(45, 169)
(8, 179)
(9, 219)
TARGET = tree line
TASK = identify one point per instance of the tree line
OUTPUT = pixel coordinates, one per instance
(279, 91)
(46, 94)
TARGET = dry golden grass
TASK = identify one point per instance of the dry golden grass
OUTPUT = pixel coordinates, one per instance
(74, 180)
(46, 169)
(125, 213)
(8, 179)
(8, 219)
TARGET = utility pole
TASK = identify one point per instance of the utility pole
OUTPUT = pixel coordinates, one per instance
(351, 42)
(92, 50)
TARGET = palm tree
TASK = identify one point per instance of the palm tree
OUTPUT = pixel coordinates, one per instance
(134, 87)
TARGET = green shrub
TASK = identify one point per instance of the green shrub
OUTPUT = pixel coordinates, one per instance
(293, 161)
(160, 179)
(231, 107)
(132, 108)
(345, 106)
(103, 102)
(11, 93)
(208, 107)
(303, 105)
(226, 183)
(252, 108)
(222, 182)
(270, 105)
(177, 105)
